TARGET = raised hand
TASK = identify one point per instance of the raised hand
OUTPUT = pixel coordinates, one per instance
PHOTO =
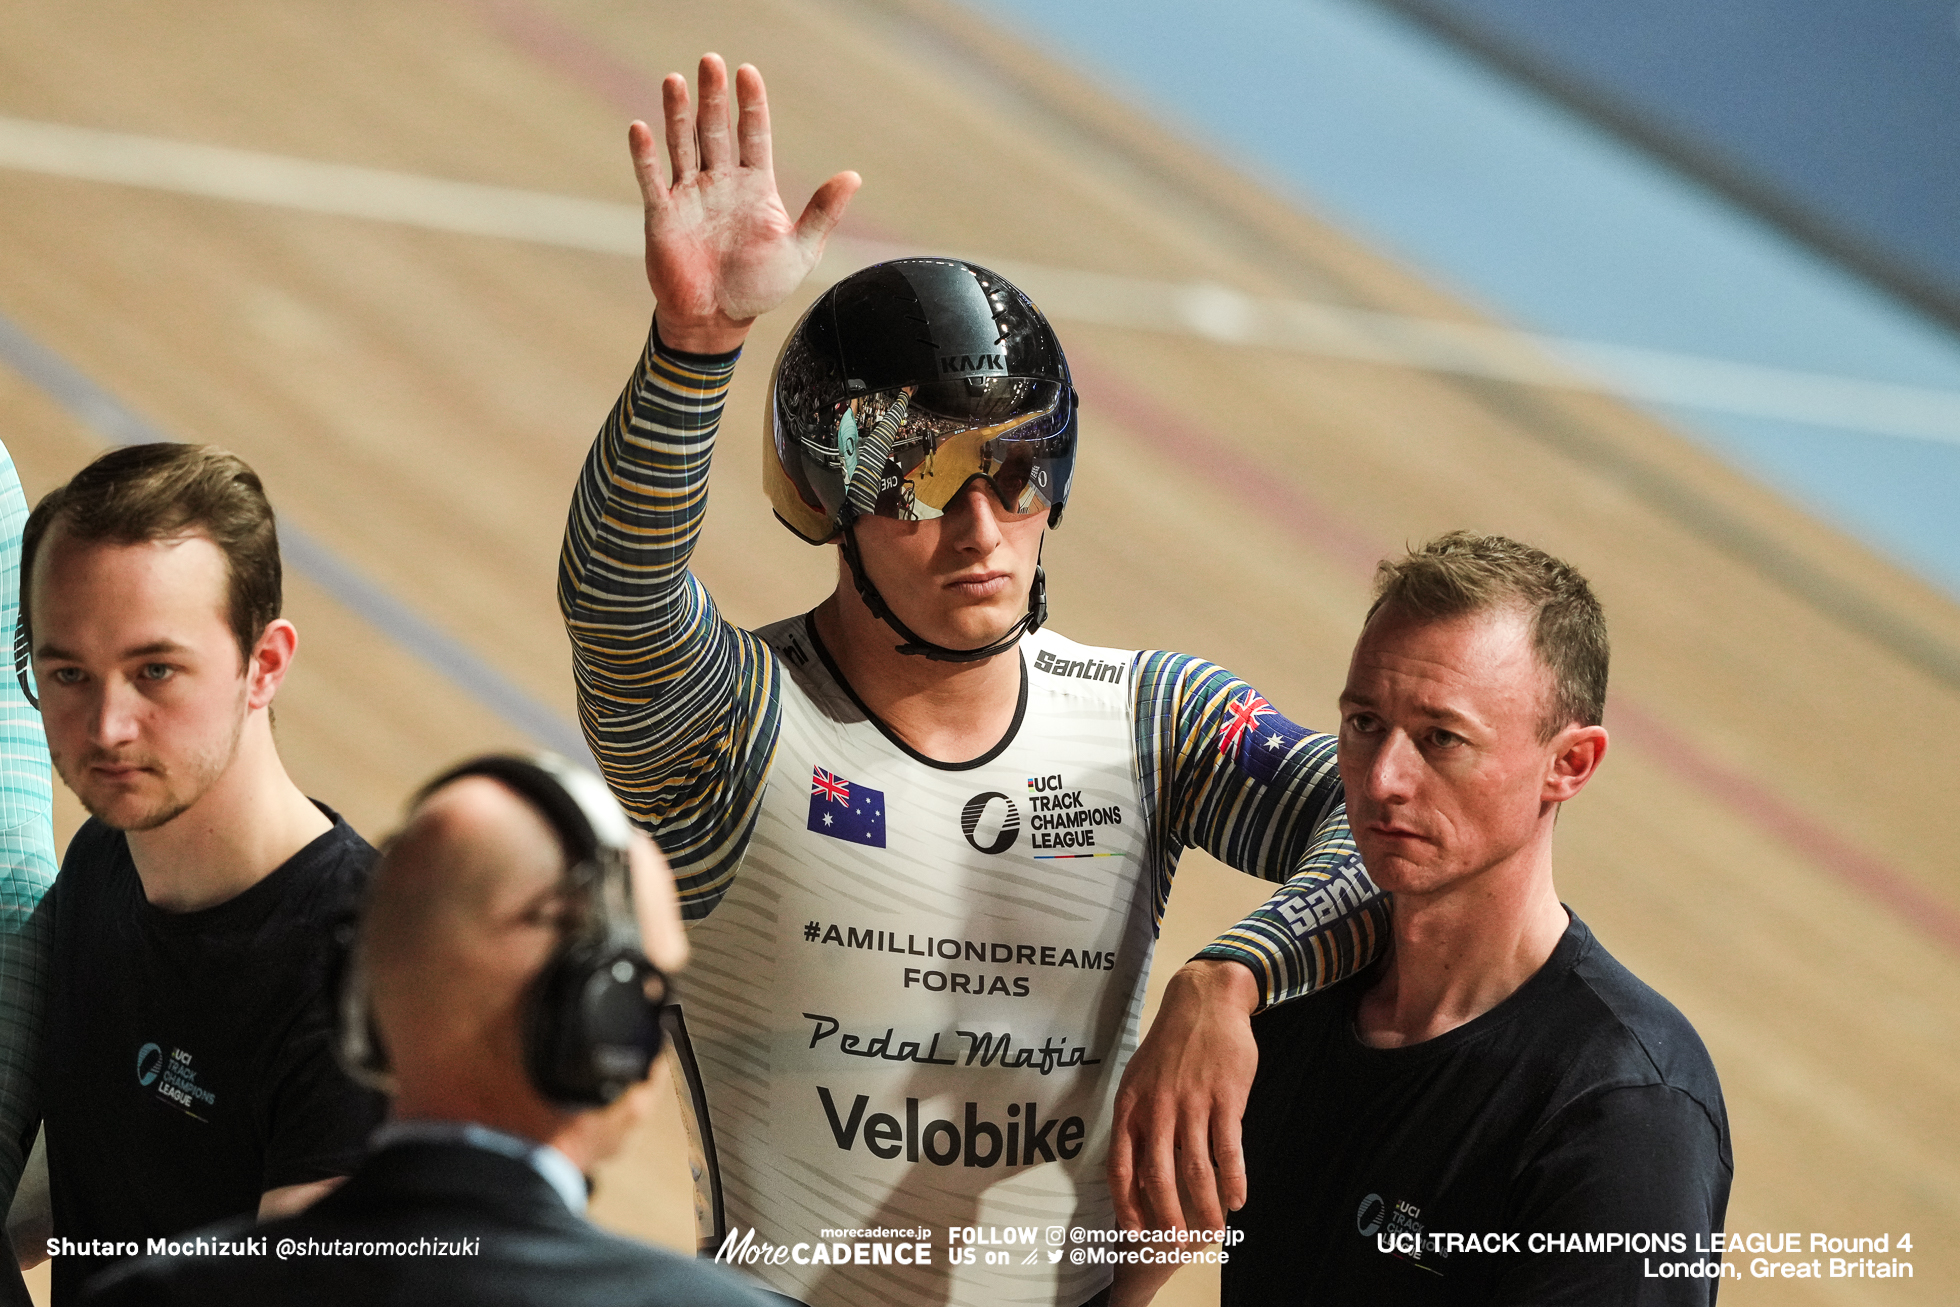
(721, 248)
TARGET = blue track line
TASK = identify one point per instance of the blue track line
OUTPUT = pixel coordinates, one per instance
(1509, 201)
(102, 412)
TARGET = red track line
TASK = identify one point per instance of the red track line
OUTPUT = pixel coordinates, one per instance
(632, 91)
(1801, 832)
(629, 89)
(1246, 479)
(556, 45)
(1197, 450)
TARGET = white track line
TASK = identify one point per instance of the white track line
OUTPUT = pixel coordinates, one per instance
(219, 173)
(1211, 312)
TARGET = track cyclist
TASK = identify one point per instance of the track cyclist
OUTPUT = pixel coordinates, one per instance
(924, 840)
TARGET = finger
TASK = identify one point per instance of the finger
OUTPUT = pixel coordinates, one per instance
(752, 118)
(646, 164)
(821, 215)
(1157, 1178)
(656, 905)
(1194, 1169)
(680, 127)
(1229, 1155)
(1121, 1174)
(711, 124)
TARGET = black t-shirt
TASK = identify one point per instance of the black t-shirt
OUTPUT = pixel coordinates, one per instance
(1582, 1107)
(189, 1059)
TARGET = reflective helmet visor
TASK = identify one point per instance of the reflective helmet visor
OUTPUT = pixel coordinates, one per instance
(907, 453)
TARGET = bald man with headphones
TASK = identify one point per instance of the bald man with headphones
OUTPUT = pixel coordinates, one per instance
(506, 988)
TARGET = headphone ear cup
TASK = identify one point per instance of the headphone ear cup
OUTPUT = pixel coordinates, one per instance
(592, 1029)
(592, 1014)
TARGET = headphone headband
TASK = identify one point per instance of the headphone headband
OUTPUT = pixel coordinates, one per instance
(576, 802)
(592, 1014)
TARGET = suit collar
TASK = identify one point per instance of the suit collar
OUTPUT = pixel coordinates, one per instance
(554, 1167)
(437, 1175)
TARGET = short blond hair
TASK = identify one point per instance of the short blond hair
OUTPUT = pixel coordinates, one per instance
(1462, 573)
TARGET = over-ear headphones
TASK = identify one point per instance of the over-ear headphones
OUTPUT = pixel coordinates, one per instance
(592, 1015)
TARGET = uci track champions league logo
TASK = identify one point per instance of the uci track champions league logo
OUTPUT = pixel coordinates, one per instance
(1060, 823)
(1003, 827)
(173, 1079)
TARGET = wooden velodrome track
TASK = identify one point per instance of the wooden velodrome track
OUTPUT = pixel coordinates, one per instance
(1771, 845)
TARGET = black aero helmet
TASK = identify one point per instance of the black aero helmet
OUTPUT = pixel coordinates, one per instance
(902, 383)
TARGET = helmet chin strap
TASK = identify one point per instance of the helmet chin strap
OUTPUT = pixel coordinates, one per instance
(1027, 624)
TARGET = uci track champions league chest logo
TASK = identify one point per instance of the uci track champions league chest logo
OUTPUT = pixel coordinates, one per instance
(1060, 822)
(172, 1078)
(1395, 1227)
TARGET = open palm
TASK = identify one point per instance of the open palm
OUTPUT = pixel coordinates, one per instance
(720, 246)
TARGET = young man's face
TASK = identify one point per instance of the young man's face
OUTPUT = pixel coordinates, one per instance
(1440, 752)
(142, 691)
(960, 579)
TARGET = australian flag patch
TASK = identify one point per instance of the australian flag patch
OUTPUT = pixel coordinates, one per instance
(1256, 737)
(845, 811)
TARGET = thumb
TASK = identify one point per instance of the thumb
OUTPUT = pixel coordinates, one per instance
(821, 215)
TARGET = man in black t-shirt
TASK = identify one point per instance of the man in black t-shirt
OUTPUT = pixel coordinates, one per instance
(1497, 1112)
(188, 1071)
(516, 941)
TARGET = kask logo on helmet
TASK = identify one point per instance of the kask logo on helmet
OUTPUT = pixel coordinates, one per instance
(963, 364)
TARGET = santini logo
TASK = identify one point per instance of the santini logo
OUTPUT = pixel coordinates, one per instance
(1083, 670)
(960, 365)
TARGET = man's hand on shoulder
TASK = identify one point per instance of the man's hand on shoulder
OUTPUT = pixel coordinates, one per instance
(720, 246)
(1174, 1155)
